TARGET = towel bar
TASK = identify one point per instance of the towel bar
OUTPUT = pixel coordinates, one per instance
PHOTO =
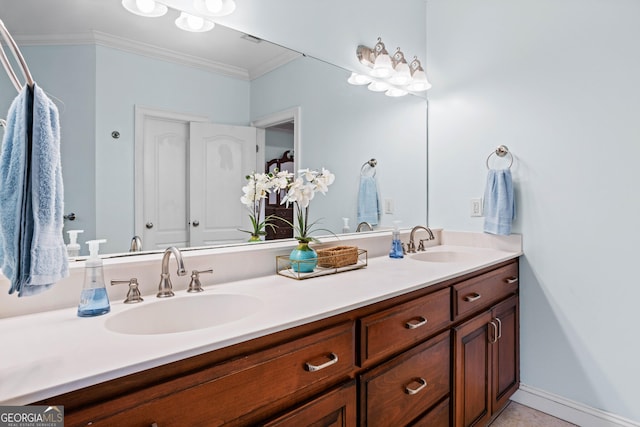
(501, 151)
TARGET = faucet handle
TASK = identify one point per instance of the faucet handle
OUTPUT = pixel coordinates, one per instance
(195, 285)
(133, 295)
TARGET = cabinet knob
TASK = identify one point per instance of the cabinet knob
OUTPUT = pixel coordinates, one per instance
(333, 359)
(195, 223)
(423, 384)
(149, 225)
(416, 323)
(511, 280)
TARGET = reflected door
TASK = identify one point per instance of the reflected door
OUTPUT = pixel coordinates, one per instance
(191, 182)
(165, 185)
(221, 156)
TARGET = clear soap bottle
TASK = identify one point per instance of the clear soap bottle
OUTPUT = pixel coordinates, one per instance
(396, 244)
(73, 248)
(94, 300)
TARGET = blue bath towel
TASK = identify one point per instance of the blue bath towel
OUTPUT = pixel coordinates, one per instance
(32, 250)
(368, 201)
(499, 202)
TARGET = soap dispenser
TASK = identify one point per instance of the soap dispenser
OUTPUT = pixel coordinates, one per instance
(73, 248)
(94, 300)
(345, 225)
(396, 244)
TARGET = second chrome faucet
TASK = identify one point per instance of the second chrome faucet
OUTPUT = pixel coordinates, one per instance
(165, 288)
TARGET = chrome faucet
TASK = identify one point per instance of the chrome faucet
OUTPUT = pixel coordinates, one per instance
(165, 288)
(412, 245)
(136, 244)
(363, 224)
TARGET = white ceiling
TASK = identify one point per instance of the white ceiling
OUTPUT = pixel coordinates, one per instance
(106, 21)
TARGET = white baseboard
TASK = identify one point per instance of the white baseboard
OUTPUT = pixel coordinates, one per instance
(568, 410)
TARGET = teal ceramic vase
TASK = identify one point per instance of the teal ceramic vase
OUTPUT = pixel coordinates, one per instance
(303, 259)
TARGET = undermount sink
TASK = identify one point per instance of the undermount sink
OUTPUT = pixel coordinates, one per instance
(185, 314)
(444, 256)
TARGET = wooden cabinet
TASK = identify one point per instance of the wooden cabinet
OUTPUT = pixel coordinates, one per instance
(336, 408)
(237, 392)
(397, 328)
(486, 360)
(443, 355)
(400, 390)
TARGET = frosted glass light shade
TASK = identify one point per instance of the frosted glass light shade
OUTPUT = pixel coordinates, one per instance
(359, 79)
(377, 86)
(193, 23)
(395, 92)
(214, 7)
(402, 76)
(148, 8)
(382, 67)
(419, 82)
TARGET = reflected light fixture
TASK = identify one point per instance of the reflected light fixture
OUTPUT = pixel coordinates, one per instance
(148, 8)
(193, 23)
(389, 74)
(195, 15)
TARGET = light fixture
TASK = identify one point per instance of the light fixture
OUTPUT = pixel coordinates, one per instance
(419, 82)
(148, 8)
(195, 24)
(382, 66)
(378, 86)
(359, 79)
(402, 75)
(389, 74)
(195, 15)
(214, 7)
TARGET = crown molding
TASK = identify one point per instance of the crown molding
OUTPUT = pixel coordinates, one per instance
(140, 48)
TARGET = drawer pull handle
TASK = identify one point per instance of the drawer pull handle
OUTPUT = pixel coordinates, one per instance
(494, 339)
(511, 280)
(473, 297)
(423, 384)
(416, 323)
(499, 328)
(333, 359)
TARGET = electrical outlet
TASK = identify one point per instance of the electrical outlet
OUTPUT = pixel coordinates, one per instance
(388, 206)
(476, 207)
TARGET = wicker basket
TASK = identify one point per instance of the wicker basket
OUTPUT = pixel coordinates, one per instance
(338, 256)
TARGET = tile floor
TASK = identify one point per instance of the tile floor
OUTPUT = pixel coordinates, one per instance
(517, 415)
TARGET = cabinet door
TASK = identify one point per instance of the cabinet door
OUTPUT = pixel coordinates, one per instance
(506, 352)
(336, 408)
(472, 371)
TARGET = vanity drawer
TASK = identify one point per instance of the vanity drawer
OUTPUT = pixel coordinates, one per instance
(482, 291)
(241, 391)
(398, 328)
(401, 389)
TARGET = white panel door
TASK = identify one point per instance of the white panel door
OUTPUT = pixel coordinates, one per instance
(220, 156)
(165, 183)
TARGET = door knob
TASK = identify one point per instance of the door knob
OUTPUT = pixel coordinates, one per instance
(196, 223)
(149, 225)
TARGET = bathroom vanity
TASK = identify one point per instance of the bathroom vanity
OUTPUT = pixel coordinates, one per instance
(382, 347)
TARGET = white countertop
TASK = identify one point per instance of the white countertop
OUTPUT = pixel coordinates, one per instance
(54, 352)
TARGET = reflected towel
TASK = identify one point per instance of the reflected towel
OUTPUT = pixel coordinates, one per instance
(499, 202)
(368, 201)
(32, 250)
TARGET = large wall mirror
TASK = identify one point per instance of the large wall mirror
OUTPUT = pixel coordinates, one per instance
(106, 68)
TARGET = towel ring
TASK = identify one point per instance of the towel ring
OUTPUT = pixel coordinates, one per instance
(501, 151)
(372, 165)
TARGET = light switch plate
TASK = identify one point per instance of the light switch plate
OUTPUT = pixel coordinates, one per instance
(388, 206)
(476, 206)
